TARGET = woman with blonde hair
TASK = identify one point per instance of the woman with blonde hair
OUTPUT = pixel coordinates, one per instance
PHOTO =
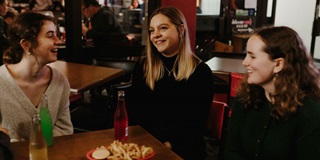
(172, 89)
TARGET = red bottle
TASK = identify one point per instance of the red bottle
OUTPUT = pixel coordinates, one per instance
(121, 118)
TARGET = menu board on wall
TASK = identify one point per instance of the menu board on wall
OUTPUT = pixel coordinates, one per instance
(242, 24)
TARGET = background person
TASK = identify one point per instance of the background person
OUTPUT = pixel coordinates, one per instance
(8, 17)
(4, 40)
(101, 25)
(134, 4)
(40, 5)
(172, 89)
(276, 115)
(57, 4)
(26, 75)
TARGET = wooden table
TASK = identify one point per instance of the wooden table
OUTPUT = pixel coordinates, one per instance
(226, 65)
(83, 77)
(75, 147)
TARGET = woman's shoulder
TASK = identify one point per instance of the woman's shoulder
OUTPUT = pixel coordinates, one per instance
(58, 76)
(310, 107)
(4, 71)
(312, 101)
(202, 64)
(203, 68)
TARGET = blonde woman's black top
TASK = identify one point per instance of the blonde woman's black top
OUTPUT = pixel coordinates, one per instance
(175, 111)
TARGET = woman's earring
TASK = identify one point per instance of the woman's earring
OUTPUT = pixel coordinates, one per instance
(275, 74)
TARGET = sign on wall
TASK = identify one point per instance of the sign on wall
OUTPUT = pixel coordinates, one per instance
(242, 24)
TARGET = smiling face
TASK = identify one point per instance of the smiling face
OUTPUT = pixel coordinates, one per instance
(260, 68)
(164, 35)
(47, 39)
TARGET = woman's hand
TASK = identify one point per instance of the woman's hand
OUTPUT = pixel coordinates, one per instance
(168, 144)
(84, 29)
(4, 130)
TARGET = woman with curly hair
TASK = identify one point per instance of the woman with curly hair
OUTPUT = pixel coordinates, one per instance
(276, 114)
(26, 75)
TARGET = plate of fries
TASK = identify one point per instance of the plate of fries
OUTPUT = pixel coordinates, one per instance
(121, 151)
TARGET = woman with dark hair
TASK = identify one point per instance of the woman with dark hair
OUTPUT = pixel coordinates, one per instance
(172, 89)
(276, 115)
(26, 75)
(4, 40)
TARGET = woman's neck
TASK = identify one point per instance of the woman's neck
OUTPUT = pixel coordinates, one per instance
(269, 97)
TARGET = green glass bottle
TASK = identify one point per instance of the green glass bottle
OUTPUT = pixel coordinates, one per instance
(46, 120)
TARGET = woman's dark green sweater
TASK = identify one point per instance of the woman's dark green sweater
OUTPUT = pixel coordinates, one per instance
(252, 135)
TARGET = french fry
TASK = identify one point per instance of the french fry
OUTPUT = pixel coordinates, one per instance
(127, 151)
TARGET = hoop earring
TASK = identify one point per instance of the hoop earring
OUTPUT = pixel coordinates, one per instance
(274, 76)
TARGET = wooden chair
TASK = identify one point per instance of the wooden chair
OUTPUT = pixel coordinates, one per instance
(74, 99)
(222, 86)
(216, 130)
(122, 83)
(127, 65)
(91, 116)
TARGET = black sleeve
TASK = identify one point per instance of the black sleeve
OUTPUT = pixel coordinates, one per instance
(5, 151)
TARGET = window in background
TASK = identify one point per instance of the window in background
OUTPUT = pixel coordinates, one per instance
(209, 7)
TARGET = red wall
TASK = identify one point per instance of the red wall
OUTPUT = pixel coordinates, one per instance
(188, 8)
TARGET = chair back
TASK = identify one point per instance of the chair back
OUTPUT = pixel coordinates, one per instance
(217, 117)
(236, 79)
(235, 82)
(126, 65)
(122, 83)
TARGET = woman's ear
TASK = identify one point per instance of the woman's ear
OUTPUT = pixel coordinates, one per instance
(24, 44)
(181, 29)
(279, 64)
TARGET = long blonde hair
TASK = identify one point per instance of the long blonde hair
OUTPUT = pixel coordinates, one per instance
(186, 61)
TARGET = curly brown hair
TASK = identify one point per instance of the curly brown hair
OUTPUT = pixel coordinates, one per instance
(298, 78)
(26, 26)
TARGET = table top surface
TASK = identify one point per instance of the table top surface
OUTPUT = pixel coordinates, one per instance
(76, 146)
(226, 65)
(83, 77)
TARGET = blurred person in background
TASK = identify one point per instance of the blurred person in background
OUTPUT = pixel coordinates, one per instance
(276, 114)
(101, 25)
(25, 76)
(11, 13)
(4, 40)
(40, 5)
(57, 4)
(172, 89)
(134, 4)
